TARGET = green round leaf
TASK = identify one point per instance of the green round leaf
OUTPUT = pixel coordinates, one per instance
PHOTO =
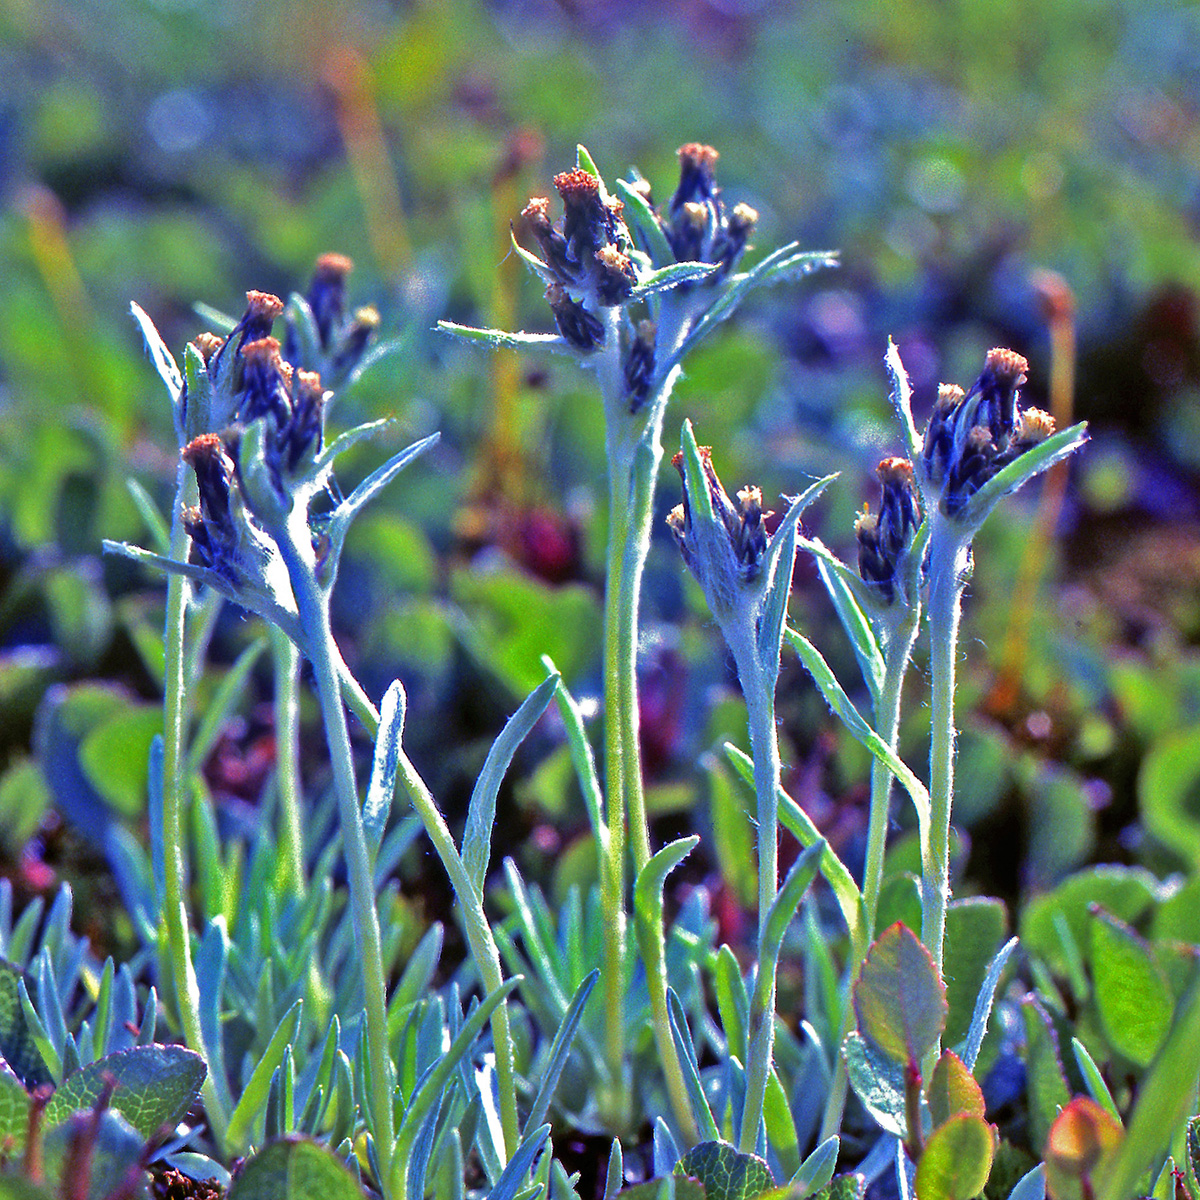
(114, 757)
(899, 999)
(295, 1169)
(725, 1172)
(1169, 792)
(1131, 992)
(953, 1091)
(957, 1160)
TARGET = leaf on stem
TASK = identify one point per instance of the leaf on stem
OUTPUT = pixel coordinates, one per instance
(983, 1003)
(500, 339)
(560, 1048)
(1032, 462)
(857, 627)
(901, 398)
(386, 761)
(664, 279)
(956, 1160)
(796, 820)
(844, 709)
(162, 358)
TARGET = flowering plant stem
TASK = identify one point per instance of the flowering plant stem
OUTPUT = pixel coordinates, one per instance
(758, 687)
(286, 659)
(484, 952)
(313, 607)
(174, 786)
(949, 559)
(897, 654)
(634, 453)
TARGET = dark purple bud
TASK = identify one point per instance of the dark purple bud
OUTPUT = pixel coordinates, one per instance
(581, 328)
(327, 295)
(639, 365)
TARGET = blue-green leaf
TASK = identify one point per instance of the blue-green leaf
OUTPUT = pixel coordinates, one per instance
(382, 786)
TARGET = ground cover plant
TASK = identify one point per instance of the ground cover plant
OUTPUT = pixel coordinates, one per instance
(509, 813)
(298, 1015)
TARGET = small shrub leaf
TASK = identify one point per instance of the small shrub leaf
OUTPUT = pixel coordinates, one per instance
(957, 1159)
(844, 1187)
(1132, 995)
(899, 1000)
(17, 1046)
(952, 1090)
(726, 1173)
(155, 1086)
(1045, 1082)
(295, 1169)
(1079, 1139)
(975, 927)
(878, 1081)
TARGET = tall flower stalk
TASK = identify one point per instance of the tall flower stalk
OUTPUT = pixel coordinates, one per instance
(746, 580)
(632, 288)
(254, 460)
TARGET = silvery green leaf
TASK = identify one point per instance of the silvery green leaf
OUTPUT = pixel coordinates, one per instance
(374, 484)
(671, 276)
(382, 787)
(817, 1169)
(164, 363)
(798, 822)
(583, 162)
(1034, 461)
(582, 757)
(686, 1052)
(666, 1153)
(560, 1048)
(642, 222)
(218, 321)
(777, 566)
(481, 812)
(513, 1175)
(254, 1094)
(983, 1004)
(1031, 1186)
(901, 398)
(786, 262)
(211, 958)
(614, 1178)
(499, 339)
(844, 709)
(858, 628)
(299, 314)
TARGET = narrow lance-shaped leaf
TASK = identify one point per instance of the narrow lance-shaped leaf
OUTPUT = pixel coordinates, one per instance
(513, 1176)
(377, 481)
(1032, 462)
(254, 1094)
(582, 757)
(1097, 1088)
(481, 812)
(798, 822)
(817, 1169)
(857, 627)
(164, 363)
(642, 221)
(352, 437)
(842, 707)
(777, 566)
(502, 339)
(382, 786)
(983, 1003)
(671, 276)
(689, 1065)
(560, 1048)
(901, 398)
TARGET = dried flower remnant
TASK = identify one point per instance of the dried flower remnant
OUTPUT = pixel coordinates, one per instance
(973, 435)
(884, 539)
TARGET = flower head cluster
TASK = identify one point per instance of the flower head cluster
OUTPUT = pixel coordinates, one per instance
(335, 339)
(585, 256)
(730, 554)
(256, 457)
(973, 435)
(697, 223)
(884, 539)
